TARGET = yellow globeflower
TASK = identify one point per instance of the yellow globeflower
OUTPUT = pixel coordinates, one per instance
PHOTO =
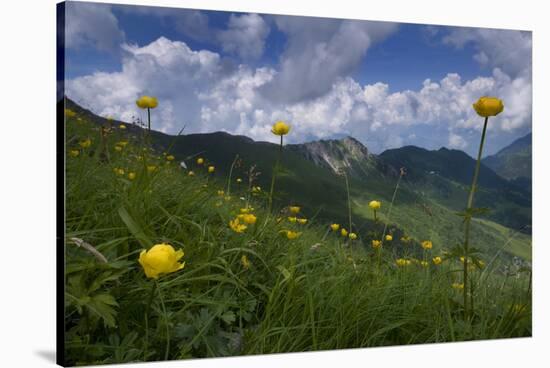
(119, 172)
(170, 157)
(302, 221)
(291, 234)
(200, 161)
(211, 169)
(352, 236)
(191, 173)
(426, 244)
(147, 102)
(70, 113)
(248, 218)
(221, 193)
(160, 259)
(246, 210)
(292, 219)
(256, 189)
(85, 143)
(131, 175)
(118, 148)
(334, 227)
(236, 226)
(488, 106)
(151, 168)
(389, 238)
(344, 232)
(376, 244)
(245, 262)
(122, 126)
(294, 209)
(375, 205)
(424, 263)
(74, 153)
(280, 128)
(239, 180)
(437, 260)
(401, 262)
(457, 286)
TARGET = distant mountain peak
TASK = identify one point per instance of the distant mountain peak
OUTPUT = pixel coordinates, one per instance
(334, 154)
(513, 161)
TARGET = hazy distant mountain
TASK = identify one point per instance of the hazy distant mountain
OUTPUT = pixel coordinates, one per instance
(514, 162)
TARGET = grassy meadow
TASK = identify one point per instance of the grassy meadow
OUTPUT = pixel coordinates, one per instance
(256, 281)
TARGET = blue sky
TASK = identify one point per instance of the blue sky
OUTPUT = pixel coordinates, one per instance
(386, 84)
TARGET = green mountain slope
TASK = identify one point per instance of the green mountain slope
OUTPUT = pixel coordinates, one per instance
(425, 205)
(445, 176)
(514, 162)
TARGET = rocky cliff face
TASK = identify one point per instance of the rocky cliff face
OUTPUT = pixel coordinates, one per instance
(335, 154)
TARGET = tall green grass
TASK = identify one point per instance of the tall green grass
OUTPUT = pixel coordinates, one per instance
(311, 293)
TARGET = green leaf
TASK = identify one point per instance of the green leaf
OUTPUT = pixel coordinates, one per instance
(228, 317)
(134, 228)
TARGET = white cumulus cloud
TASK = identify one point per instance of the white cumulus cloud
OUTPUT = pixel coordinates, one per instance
(245, 35)
(91, 24)
(196, 89)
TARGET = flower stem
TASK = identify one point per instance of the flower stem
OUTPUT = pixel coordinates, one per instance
(231, 174)
(167, 350)
(468, 218)
(349, 200)
(275, 169)
(391, 206)
(147, 309)
(149, 120)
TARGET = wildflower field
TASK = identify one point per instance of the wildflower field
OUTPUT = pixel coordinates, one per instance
(167, 261)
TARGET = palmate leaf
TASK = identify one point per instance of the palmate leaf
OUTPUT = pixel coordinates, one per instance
(102, 305)
(473, 212)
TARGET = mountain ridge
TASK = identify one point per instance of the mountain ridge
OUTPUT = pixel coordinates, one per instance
(310, 177)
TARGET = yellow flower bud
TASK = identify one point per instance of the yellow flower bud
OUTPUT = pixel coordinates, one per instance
(457, 286)
(200, 161)
(294, 209)
(426, 244)
(131, 175)
(160, 259)
(389, 238)
(344, 232)
(291, 234)
(437, 260)
(191, 173)
(280, 128)
(245, 262)
(249, 218)
(376, 244)
(302, 221)
(352, 236)
(375, 205)
(145, 102)
(85, 143)
(334, 227)
(488, 106)
(211, 169)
